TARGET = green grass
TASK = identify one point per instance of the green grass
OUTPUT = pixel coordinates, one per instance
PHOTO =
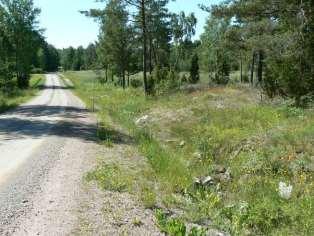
(110, 177)
(260, 144)
(18, 96)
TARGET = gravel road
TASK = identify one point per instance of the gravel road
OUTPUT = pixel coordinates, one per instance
(46, 146)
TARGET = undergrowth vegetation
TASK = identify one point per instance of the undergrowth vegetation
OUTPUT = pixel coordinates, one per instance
(218, 158)
(15, 96)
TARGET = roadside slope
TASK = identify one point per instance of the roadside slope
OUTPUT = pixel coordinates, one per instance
(219, 159)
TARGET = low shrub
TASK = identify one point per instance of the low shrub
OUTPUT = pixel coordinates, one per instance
(136, 83)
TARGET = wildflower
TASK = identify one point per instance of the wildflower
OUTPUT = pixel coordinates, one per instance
(285, 190)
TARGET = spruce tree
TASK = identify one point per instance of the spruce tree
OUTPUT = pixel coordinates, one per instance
(194, 70)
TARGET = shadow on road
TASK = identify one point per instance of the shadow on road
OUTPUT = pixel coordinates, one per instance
(67, 87)
(37, 121)
(42, 110)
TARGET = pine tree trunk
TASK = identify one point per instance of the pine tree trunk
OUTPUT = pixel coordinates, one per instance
(22, 81)
(150, 55)
(123, 79)
(241, 68)
(106, 75)
(252, 68)
(144, 31)
(155, 56)
(260, 66)
(176, 65)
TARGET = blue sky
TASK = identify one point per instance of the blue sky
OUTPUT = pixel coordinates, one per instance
(65, 26)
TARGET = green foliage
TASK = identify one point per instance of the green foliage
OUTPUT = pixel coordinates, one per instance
(109, 177)
(90, 57)
(168, 167)
(214, 51)
(151, 83)
(20, 39)
(197, 232)
(67, 58)
(11, 96)
(136, 83)
(183, 29)
(281, 41)
(124, 42)
(194, 70)
(37, 71)
(160, 74)
(172, 81)
(162, 80)
(47, 59)
(116, 38)
(184, 78)
(78, 60)
(148, 197)
(173, 227)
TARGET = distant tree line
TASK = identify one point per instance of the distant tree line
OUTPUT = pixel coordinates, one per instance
(47, 59)
(79, 58)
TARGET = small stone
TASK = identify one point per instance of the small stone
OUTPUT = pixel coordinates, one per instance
(223, 177)
(208, 180)
(192, 226)
(218, 187)
(142, 120)
(197, 155)
(182, 144)
(220, 169)
(228, 174)
(220, 106)
(170, 141)
(215, 232)
(197, 181)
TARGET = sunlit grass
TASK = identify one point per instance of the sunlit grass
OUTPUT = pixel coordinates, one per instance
(261, 144)
(17, 96)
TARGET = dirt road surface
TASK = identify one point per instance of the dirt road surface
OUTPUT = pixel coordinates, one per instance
(46, 147)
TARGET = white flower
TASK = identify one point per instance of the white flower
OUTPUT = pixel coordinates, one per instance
(285, 190)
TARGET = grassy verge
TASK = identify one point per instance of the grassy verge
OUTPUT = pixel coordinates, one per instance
(217, 158)
(18, 96)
